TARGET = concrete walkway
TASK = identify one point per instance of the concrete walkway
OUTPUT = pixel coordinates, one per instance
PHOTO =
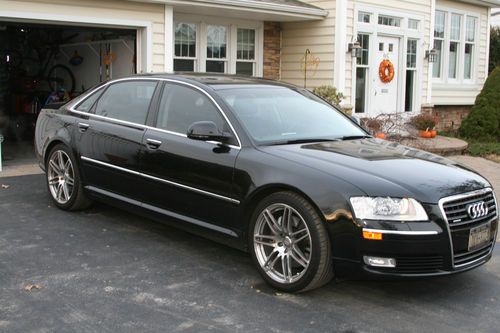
(441, 145)
(488, 169)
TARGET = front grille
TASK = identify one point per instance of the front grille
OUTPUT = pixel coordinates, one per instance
(460, 223)
(456, 210)
(466, 257)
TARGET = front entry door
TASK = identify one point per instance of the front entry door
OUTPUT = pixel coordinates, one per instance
(385, 94)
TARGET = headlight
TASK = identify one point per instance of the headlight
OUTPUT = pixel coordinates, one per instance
(392, 209)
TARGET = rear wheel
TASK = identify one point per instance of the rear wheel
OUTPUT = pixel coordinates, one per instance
(289, 243)
(63, 180)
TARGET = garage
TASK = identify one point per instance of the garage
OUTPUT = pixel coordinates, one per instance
(53, 52)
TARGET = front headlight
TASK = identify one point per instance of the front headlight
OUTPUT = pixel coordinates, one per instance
(392, 209)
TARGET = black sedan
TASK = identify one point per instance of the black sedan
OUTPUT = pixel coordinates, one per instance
(271, 169)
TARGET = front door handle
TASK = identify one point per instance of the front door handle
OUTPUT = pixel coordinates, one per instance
(83, 127)
(153, 144)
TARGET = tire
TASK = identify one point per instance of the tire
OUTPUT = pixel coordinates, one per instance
(300, 248)
(64, 181)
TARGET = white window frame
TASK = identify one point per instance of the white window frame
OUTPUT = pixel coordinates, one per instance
(444, 75)
(252, 61)
(404, 33)
(195, 59)
(232, 38)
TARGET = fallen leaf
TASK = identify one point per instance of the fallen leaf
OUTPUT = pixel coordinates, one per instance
(5, 186)
(30, 287)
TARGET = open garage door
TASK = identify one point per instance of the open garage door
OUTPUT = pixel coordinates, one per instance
(46, 63)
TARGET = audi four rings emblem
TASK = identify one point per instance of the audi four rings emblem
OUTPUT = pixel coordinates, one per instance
(477, 209)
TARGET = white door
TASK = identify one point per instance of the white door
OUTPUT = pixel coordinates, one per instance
(385, 94)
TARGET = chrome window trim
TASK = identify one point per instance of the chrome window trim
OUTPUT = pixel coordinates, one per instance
(402, 232)
(186, 187)
(444, 200)
(72, 108)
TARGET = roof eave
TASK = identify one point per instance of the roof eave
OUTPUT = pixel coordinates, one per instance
(486, 3)
(296, 11)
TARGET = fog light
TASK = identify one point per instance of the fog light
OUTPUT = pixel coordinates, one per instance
(379, 262)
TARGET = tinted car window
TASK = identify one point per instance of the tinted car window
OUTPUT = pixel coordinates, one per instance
(181, 106)
(87, 104)
(128, 101)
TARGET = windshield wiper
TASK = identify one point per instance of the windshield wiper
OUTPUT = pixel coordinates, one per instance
(354, 137)
(297, 141)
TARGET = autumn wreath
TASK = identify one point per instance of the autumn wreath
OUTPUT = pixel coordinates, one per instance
(386, 71)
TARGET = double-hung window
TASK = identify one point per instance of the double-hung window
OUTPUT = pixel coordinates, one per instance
(245, 52)
(455, 42)
(216, 49)
(185, 47)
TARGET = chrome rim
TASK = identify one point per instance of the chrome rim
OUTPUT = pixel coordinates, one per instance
(61, 177)
(282, 243)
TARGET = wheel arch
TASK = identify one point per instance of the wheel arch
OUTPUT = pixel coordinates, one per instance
(260, 193)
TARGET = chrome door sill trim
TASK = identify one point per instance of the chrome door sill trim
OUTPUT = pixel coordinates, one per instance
(193, 189)
(163, 211)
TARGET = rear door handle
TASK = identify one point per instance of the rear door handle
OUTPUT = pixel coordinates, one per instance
(153, 144)
(83, 127)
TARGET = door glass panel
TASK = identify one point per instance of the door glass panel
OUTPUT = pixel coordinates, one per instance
(128, 101)
(409, 89)
(182, 106)
(360, 89)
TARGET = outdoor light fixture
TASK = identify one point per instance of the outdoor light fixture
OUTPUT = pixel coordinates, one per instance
(431, 55)
(355, 49)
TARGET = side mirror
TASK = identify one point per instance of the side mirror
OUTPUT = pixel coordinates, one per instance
(356, 120)
(206, 131)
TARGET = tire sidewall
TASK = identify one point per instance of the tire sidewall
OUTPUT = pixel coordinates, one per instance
(309, 217)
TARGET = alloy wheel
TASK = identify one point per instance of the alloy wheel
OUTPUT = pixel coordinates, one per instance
(282, 243)
(61, 177)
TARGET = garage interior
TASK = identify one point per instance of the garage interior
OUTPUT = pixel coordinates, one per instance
(42, 64)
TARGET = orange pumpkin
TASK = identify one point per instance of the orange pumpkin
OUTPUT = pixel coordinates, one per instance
(386, 71)
(433, 133)
(425, 134)
(380, 135)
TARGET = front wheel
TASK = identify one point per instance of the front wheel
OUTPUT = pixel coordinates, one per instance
(289, 243)
(63, 179)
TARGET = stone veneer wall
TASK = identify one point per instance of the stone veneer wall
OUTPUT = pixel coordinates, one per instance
(272, 50)
(450, 116)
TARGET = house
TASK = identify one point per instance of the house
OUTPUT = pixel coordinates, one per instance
(384, 56)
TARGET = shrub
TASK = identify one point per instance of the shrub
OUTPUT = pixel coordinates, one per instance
(494, 48)
(372, 125)
(483, 123)
(329, 94)
(423, 122)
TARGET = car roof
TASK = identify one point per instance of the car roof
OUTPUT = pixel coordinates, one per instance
(219, 81)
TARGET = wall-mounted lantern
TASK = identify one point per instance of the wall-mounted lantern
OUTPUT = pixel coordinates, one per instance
(431, 55)
(355, 49)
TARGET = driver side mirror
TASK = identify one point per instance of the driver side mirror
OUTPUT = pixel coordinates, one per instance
(206, 131)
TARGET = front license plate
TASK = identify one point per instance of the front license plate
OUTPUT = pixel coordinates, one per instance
(479, 236)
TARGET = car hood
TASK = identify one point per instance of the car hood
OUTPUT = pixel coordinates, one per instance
(384, 168)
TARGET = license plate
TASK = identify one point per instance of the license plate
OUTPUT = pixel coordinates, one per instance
(479, 236)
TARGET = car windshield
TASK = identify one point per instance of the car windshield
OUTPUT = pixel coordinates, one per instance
(280, 115)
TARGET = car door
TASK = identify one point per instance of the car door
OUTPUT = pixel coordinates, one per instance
(110, 138)
(189, 177)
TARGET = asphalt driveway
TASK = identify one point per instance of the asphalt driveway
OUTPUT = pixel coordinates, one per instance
(104, 270)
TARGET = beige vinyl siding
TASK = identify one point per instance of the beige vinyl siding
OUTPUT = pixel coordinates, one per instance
(463, 93)
(108, 9)
(420, 8)
(319, 38)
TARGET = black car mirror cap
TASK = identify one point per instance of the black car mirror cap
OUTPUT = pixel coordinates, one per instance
(207, 131)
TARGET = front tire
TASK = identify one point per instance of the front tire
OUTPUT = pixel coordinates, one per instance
(63, 179)
(289, 243)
